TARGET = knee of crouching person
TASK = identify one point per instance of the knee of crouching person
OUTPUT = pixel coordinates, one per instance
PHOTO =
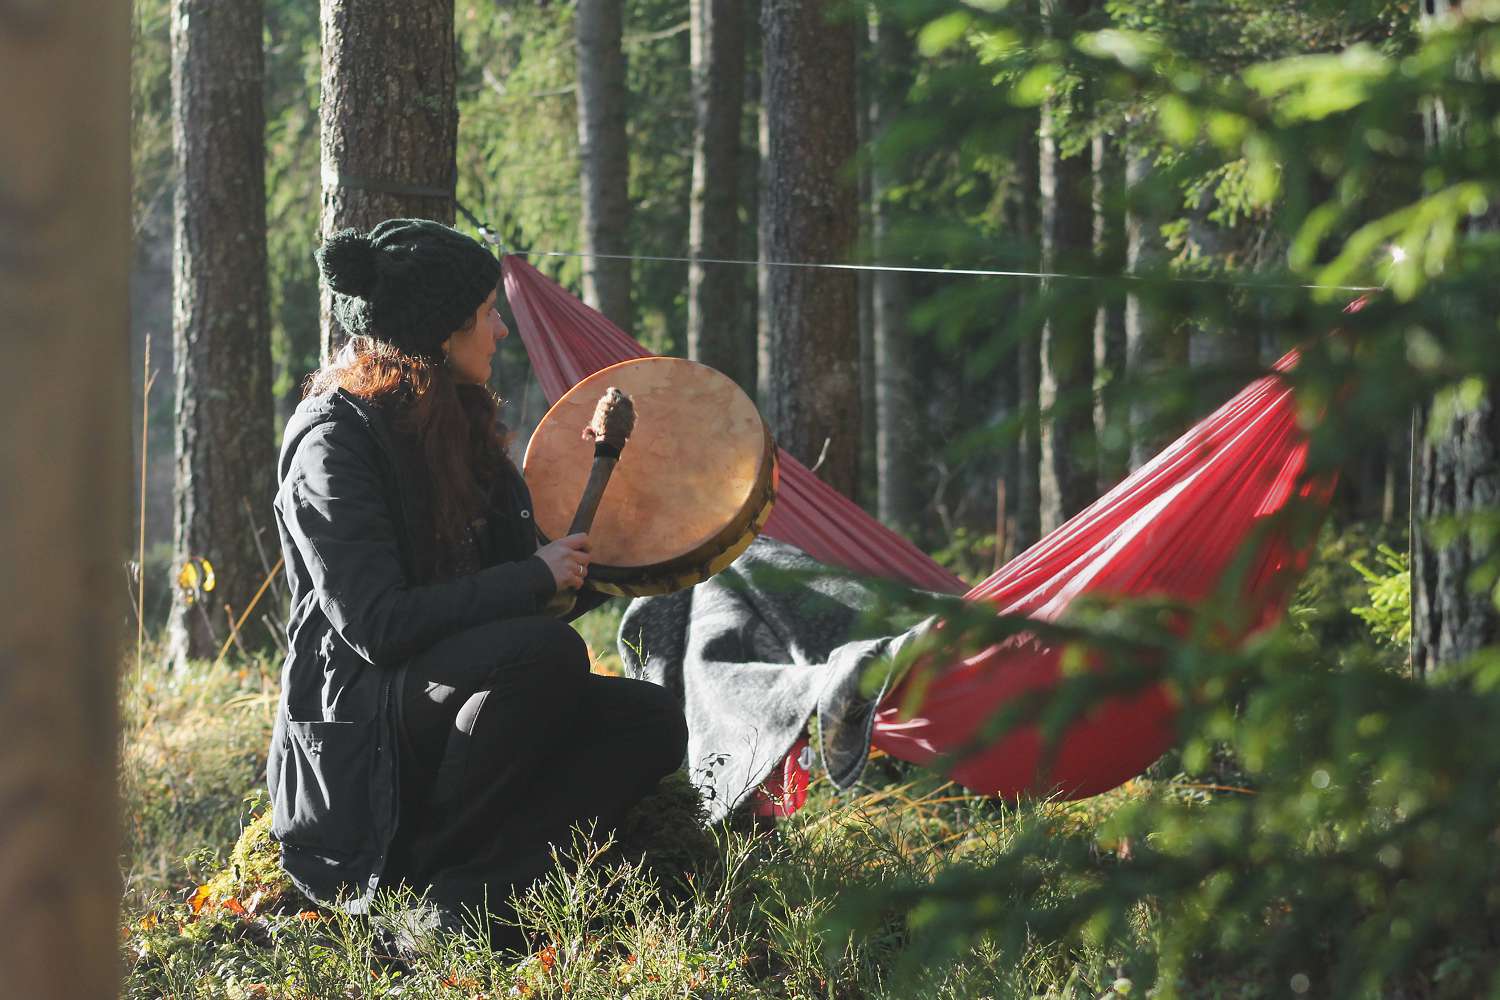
(556, 643)
(672, 732)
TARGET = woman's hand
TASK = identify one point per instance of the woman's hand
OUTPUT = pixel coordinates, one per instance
(568, 559)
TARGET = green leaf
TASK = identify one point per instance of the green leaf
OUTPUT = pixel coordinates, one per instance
(1133, 49)
(1036, 84)
(937, 36)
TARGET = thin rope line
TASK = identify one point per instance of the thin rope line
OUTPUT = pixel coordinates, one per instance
(977, 272)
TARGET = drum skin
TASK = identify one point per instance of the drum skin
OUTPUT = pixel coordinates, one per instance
(693, 487)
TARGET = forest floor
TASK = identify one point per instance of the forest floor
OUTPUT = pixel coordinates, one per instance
(202, 919)
(737, 913)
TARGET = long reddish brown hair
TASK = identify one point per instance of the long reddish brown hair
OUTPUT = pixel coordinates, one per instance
(449, 433)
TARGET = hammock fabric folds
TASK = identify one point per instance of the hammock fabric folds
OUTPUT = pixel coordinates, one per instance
(1173, 529)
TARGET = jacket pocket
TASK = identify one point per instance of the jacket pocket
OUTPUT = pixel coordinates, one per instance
(322, 799)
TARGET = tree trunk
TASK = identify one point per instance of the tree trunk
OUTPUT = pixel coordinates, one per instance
(221, 312)
(763, 346)
(895, 455)
(812, 215)
(604, 157)
(1026, 489)
(389, 119)
(64, 391)
(718, 60)
(1110, 338)
(869, 417)
(1069, 477)
(1454, 477)
(1152, 344)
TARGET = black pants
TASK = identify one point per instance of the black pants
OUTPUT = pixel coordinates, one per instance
(508, 742)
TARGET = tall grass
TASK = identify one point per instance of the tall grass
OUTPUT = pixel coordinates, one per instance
(748, 918)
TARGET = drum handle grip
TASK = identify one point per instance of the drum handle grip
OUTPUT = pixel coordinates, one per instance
(593, 491)
(605, 458)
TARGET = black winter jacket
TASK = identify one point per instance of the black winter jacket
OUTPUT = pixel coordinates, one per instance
(343, 512)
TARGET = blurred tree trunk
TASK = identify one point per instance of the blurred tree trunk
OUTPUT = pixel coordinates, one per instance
(763, 346)
(1455, 476)
(812, 214)
(1025, 491)
(221, 312)
(718, 62)
(65, 234)
(1110, 338)
(894, 400)
(869, 415)
(1068, 477)
(604, 157)
(389, 119)
(1153, 345)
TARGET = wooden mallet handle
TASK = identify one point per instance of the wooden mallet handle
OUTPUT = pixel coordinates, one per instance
(614, 419)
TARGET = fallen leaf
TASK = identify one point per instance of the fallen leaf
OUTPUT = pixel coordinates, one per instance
(197, 899)
(234, 906)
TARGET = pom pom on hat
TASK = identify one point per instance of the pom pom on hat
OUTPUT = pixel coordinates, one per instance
(347, 260)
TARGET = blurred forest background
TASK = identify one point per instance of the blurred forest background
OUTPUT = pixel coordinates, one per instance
(1189, 188)
(942, 378)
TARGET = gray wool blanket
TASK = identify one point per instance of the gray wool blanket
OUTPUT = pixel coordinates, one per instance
(753, 654)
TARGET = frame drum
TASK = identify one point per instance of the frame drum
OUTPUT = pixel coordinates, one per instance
(694, 485)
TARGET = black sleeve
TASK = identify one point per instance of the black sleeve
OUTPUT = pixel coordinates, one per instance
(334, 509)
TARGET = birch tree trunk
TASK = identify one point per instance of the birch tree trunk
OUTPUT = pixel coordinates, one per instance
(64, 391)
(763, 345)
(718, 63)
(389, 119)
(812, 214)
(604, 158)
(220, 312)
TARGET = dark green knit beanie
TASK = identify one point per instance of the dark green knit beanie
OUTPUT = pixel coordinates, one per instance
(408, 282)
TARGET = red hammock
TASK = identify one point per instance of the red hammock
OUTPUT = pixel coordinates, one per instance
(1172, 529)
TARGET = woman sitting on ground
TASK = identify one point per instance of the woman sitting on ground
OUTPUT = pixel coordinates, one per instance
(436, 727)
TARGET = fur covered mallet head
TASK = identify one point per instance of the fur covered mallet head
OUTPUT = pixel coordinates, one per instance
(614, 419)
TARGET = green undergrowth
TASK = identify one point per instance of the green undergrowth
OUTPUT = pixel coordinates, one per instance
(1258, 860)
(672, 909)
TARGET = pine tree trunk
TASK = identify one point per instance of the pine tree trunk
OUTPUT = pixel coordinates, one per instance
(1153, 345)
(1068, 477)
(221, 312)
(895, 403)
(389, 119)
(1110, 340)
(65, 232)
(1026, 489)
(718, 61)
(604, 157)
(869, 416)
(812, 216)
(1455, 476)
